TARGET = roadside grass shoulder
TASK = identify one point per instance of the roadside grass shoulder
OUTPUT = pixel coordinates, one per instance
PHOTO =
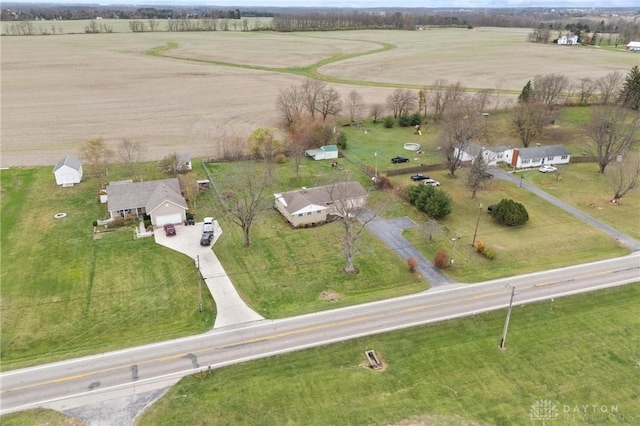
(573, 351)
(68, 293)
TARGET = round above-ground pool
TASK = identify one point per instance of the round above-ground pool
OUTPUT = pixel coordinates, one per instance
(411, 146)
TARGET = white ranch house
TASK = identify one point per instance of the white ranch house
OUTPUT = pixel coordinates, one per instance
(633, 46)
(312, 205)
(520, 158)
(68, 171)
(326, 152)
(160, 199)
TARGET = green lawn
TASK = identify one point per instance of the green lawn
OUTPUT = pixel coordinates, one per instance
(575, 351)
(67, 294)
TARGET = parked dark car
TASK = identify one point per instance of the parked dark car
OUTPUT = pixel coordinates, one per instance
(398, 159)
(487, 175)
(170, 230)
(419, 177)
(206, 238)
(491, 208)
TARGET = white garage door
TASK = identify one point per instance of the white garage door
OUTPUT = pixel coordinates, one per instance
(169, 218)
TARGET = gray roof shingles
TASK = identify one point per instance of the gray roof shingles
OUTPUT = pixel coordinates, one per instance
(70, 161)
(321, 195)
(130, 195)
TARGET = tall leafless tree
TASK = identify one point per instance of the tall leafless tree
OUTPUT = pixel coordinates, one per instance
(354, 104)
(608, 86)
(329, 103)
(528, 120)
(624, 176)
(547, 89)
(462, 124)
(311, 91)
(483, 98)
(401, 101)
(611, 131)
(376, 111)
(586, 88)
(290, 103)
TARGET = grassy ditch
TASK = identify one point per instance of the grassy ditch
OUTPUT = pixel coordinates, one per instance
(573, 352)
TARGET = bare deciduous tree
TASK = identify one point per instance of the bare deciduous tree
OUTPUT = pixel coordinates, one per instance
(329, 103)
(352, 215)
(245, 199)
(171, 164)
(586, 89)
(461, 125)
(299, 139)
(354, 104)
(624, 177)
(130, 153)
(443, 96)
(96, 152)
(401, 101)
(608, 86)
(611, 131)
(376, 111)
(290, 103)
(311, 90)
(548, 88)
(528, 120)
(189, 187)
(483, 98)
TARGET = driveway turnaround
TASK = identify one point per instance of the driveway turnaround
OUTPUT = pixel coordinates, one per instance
(231, 309)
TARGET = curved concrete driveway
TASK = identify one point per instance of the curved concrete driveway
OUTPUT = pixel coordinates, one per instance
(231, 309)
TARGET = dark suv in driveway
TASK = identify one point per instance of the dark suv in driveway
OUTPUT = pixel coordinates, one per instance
(399, 159)
(206, 238)
(170, 230)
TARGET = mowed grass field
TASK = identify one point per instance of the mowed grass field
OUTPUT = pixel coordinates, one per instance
(59, 91)
(573, 352)
(67, 293)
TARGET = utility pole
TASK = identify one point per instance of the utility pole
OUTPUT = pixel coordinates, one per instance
(453, 253)
(473, 243)
(376, 155)
(506, 322)
(199, 283)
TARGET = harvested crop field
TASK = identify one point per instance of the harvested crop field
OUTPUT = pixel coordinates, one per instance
(59, 91)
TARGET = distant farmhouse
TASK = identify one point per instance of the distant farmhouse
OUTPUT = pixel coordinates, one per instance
(568, 40)
(633, 46)
(160, 199)
(68, 171)
(307, 206)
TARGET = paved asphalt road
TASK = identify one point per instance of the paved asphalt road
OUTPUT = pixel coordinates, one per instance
(136, 371)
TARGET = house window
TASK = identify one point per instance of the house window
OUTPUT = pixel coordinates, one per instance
(527, 161)
(499, 155)
(309, 213)
(549, 158)
(564, 157)
(535, 160)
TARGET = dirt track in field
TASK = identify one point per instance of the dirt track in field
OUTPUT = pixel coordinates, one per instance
(59, 91)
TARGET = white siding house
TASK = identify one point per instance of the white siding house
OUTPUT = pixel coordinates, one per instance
(568, 40)
(184, 162)
(633, 46)
(68, 171)
(309, 206)
(522, 158)
(323, 153)
(492, 154)
(160, 199)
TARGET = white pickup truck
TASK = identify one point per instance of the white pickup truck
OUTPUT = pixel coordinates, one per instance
(207, 232)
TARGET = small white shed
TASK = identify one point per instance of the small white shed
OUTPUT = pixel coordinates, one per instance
(323, 153)
(68, 171)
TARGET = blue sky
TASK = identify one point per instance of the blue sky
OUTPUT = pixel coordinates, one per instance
(361, 3)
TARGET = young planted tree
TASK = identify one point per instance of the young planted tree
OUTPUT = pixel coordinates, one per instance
(96, 152)
(245, 199)
(352, 215)
(526, 94)
(610, 132)
(130, 153)
(477, 174)
(264, 145)
(171, 164)
(376, 111)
